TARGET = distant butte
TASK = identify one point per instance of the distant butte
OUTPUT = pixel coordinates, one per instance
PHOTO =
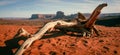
(60, 15)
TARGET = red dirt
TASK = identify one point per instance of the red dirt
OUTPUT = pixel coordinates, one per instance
(108, 43)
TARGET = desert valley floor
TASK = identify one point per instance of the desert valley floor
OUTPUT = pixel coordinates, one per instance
(58, 43)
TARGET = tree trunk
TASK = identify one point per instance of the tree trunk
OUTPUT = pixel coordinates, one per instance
(41, 32)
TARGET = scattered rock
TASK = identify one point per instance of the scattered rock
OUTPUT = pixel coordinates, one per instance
(52, 53)
(64, 53)
(101, 40)
(84, 41)
(53, 44)
(106, 48)
(72, 44)
(115, 52)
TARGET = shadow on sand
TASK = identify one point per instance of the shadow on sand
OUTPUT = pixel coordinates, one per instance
(10, 44)
(13, 43)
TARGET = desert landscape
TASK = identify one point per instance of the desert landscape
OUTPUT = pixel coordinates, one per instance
(59, 27)
(58, 43)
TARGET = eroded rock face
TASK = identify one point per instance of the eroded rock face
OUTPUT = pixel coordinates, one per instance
(36, 16)
(59, 14)
(42, 16)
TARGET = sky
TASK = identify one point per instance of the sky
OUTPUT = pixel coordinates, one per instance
(25, 8)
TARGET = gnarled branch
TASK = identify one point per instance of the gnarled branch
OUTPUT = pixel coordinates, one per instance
(94, 15)
(40, 33)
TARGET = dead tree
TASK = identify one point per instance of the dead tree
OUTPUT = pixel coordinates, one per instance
(79, 25)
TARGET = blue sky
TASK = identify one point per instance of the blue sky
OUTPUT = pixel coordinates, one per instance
(24, 8)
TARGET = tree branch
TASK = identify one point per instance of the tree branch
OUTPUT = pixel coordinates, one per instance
(93, 17)
(41, 32)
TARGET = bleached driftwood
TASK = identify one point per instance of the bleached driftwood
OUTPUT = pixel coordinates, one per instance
(82, 25)
(41, 32)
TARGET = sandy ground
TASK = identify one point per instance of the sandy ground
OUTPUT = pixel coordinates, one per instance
(108, 43)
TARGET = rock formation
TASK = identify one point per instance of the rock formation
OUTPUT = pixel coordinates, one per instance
(59, 15)
(42, 16)
(36, 16)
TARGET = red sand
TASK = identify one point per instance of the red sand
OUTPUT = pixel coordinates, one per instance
(108, 43)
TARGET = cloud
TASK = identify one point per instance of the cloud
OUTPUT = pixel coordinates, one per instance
(27, 7)
(73, 6)
(52, 1)
(7, 2)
